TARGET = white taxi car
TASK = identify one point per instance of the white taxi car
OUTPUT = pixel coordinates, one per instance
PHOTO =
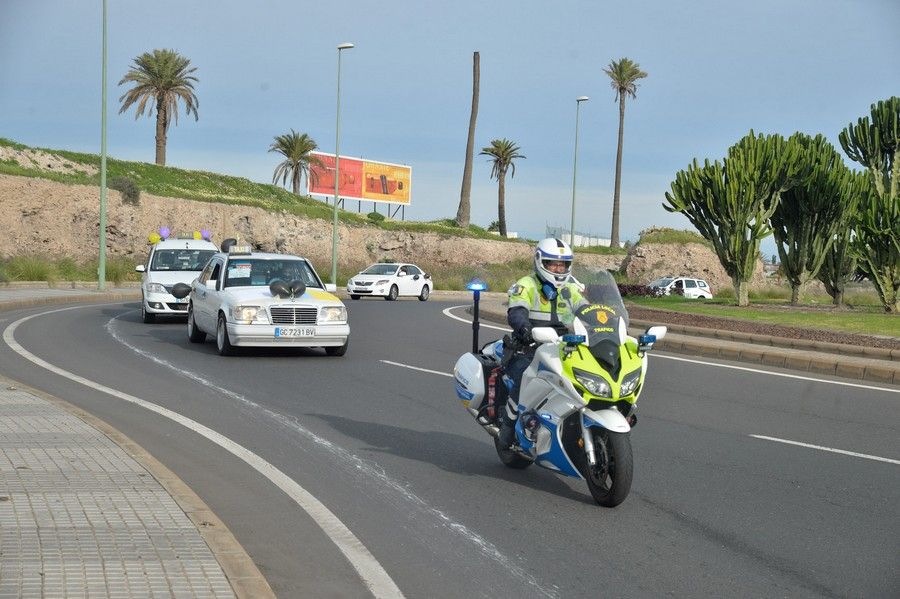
(170, 261)
(390, 281)
(689, 287)
(249, 299)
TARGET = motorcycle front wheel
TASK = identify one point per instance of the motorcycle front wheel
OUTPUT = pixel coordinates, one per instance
(609, 481)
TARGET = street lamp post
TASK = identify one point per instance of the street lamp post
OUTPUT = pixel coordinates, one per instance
(101, 261)
(337, 162)
(578, 102)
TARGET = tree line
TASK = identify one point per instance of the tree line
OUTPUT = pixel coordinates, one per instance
(829, 221)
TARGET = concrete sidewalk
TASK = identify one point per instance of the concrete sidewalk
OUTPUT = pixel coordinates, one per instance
(85, 512)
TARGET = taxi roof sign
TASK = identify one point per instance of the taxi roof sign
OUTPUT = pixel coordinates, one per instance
(240, 250)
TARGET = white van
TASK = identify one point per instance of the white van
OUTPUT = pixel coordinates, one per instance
(171, 261)
(686, 286)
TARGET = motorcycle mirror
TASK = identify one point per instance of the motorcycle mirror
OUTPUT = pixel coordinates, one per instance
(658, 331)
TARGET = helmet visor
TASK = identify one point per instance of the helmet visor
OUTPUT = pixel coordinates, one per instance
(557, 267)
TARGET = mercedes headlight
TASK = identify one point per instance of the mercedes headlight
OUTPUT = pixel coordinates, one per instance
(593, 383)
(383, 282)
(630, 383)
(245, 314)
(156, 288)
(333, 314)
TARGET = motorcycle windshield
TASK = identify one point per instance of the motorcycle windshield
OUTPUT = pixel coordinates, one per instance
(602, 316)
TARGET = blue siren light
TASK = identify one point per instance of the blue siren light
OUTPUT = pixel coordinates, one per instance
(476, 285)
(574, 338)
(647, 339)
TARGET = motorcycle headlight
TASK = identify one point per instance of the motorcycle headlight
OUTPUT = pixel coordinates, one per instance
(382, 282)
(593, 383)
(630, 383)
(156, 288)
(333, 314)
(245, 314)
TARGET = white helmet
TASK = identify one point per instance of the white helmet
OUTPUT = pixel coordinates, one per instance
(553, 250)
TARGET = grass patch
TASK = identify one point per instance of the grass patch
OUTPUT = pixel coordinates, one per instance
(53, 270)
(667, 235)
(868, 319)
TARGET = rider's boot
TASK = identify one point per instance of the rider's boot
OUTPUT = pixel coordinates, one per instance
(507, 429)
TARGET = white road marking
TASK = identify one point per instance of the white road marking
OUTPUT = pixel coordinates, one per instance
(416, 368)
(705, 363)
(831, 449)
(370, 571)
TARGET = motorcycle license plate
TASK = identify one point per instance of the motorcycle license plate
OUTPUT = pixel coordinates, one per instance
(281, 332)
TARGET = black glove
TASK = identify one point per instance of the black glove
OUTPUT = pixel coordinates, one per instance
(523, 336)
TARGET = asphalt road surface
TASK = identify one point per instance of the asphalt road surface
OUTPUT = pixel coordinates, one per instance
(392, 454)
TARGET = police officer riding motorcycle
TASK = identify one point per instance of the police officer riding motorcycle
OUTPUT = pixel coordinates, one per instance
(545, 298)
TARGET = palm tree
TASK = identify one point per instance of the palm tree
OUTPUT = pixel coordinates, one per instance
(296, 148)
(465, 205)
(502, 153)
(623, 77)
(161, 77)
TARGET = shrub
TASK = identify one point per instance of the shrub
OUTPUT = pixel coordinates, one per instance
(375, 217)
(131, 193)
(30, 268)
(667, 235)
(638, 290)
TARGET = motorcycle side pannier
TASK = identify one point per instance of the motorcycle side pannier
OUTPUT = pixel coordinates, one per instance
(475, 375)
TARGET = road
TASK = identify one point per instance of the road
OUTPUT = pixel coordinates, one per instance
(390, 452)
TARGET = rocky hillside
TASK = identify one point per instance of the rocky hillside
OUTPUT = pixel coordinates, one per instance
(648, 261)
(45, 217)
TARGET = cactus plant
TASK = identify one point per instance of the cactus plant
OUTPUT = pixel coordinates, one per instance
(809, 215)
(875, 144)
(730, 202)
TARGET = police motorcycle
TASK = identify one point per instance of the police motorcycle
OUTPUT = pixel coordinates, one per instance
(577, 401)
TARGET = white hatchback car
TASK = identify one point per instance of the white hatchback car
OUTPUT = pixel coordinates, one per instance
(243, 298)
(390, 281)
(171, 261)
(687, 286)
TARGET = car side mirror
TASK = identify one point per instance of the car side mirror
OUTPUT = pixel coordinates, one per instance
(140, 268)
(415, 277)
(544, 334)
(330, 287)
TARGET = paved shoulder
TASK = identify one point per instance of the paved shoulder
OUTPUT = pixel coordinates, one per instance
(85, 511)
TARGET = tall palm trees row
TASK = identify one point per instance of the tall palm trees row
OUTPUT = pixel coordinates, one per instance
(162, 77)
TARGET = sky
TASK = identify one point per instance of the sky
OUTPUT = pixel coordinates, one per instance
(716, 69)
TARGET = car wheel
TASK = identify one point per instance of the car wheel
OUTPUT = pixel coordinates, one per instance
(423, 296)
(194, 334)
(223, 344)
(354, 297)
(147, 317)
(392, 294)
(339, 350)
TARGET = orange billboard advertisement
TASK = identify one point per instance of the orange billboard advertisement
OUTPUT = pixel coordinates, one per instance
(361, 179)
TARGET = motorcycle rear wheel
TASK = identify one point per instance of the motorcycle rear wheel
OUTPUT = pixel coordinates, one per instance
(609, 481)
(510, 458)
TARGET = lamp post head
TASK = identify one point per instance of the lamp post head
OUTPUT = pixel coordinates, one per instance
(345, 46)
(582, 99)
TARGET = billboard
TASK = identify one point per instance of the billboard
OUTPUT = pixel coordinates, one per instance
(361, 179)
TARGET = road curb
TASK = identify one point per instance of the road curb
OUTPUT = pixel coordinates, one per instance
(245, 578)
(865, 368)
